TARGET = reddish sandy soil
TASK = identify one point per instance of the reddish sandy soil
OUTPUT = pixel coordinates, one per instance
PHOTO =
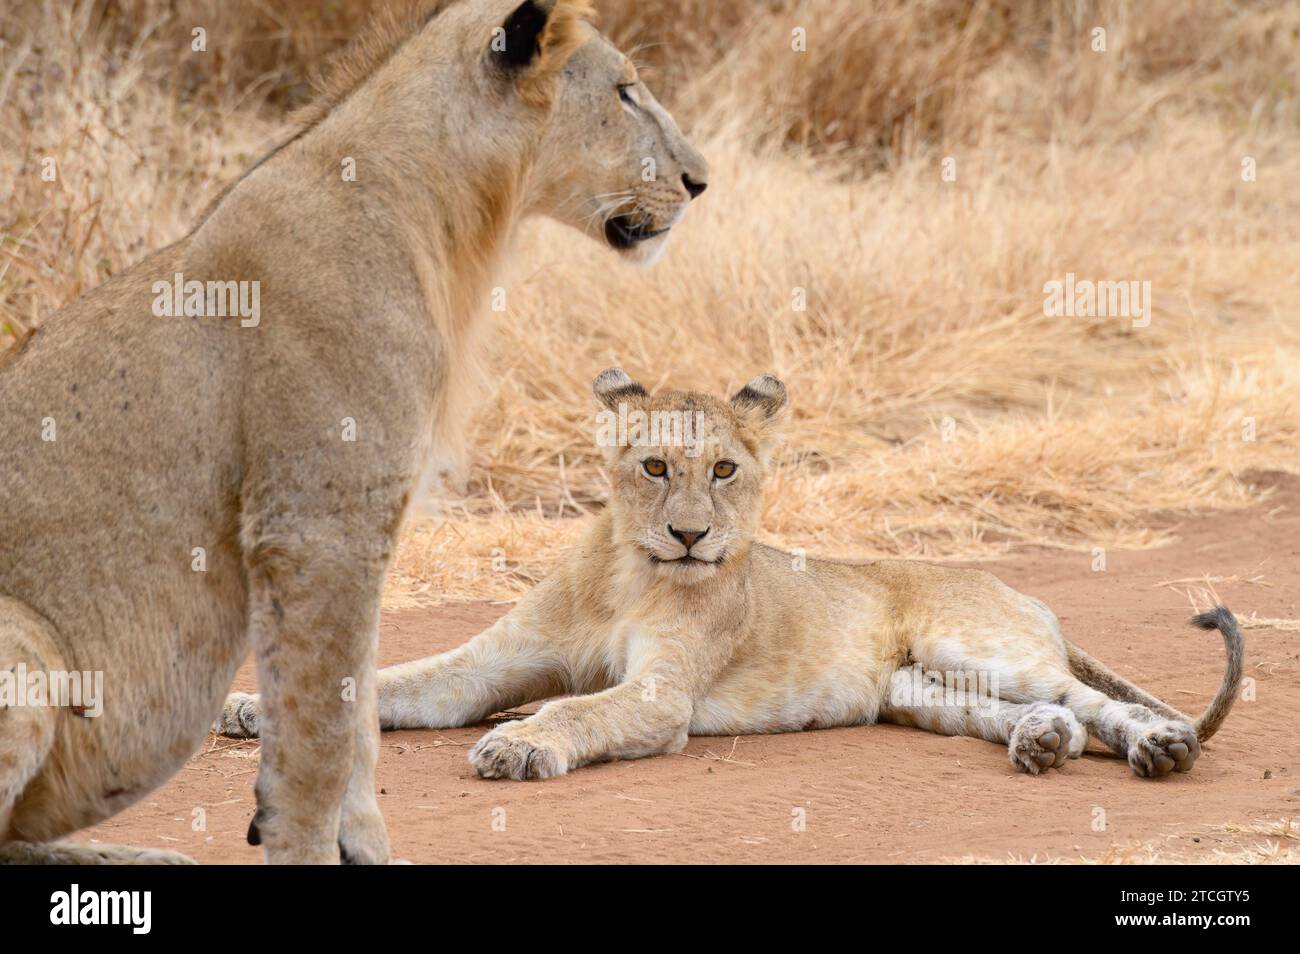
(872, 793)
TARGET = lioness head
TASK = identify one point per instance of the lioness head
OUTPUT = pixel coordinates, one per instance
(636, 172)
(532, 91)
(687, 469)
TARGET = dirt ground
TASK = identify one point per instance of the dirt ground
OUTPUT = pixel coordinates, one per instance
(879, 794)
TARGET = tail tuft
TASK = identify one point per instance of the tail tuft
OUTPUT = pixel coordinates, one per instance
(1219, 618)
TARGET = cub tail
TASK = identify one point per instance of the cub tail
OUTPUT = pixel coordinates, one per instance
(1092, 673)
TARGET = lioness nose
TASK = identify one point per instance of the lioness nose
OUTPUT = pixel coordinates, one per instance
(693, 187)
(688, 537)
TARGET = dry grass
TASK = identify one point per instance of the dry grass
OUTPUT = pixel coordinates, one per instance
(938, 411)
(1202, 594)
(1249, 843)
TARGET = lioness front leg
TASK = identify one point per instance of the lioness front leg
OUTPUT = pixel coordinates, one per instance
(361, 829)
(363, 838)
(314, 616)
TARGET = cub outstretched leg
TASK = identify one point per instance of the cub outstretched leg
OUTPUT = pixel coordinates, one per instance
(1039, 735)
(648, 713)
(507, 665)
(1153, 744)
(628, 721)
(1033, 664)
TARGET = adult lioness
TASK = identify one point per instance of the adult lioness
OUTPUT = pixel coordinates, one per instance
(668, 619)
(177, 486)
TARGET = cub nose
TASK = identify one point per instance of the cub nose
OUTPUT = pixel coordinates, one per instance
(693, 187)
(688, 537)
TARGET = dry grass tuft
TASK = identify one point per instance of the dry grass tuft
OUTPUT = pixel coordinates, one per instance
(939, 412)
(1248, 843)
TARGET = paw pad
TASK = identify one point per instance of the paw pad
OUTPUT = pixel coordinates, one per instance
(1044, 738)
(1163, 748)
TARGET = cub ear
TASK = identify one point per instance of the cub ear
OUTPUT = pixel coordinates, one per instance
(613, 387)
(761, 405)
(538, 36)
(765, 395)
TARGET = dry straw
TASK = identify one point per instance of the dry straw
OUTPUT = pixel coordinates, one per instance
(938, 411)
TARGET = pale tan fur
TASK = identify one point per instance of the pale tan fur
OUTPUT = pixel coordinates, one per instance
(179, 433)
(651, 646)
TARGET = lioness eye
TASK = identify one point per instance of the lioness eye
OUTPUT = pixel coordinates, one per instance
(624, 95)
(724, 469)
(654, 467)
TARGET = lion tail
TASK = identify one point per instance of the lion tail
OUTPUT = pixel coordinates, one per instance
(1092, 673)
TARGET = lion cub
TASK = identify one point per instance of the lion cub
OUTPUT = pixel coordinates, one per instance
(669, 620)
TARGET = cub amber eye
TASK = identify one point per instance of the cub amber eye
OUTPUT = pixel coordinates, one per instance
(655, 467)
(723, 469)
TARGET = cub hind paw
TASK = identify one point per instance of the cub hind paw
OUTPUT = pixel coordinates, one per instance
(1045, 737)
(1167, 746)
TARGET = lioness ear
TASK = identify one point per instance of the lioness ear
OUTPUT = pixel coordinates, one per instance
(613, 387)
(538, 36)
(518, 41)
(761, 406)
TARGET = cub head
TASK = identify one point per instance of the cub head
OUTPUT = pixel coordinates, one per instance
(606, 158)
(688, 470)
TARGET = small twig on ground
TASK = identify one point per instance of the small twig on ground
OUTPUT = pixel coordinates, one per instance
(711, 756)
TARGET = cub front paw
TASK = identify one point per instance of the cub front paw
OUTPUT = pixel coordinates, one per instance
(1045, 737)
(515, 750)
(238, 718)
(1164, 747)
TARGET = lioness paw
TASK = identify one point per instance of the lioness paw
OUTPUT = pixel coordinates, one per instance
(238, 718)
(363, 840)
(1164, 747)
(1045, 737)
(515, 750)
